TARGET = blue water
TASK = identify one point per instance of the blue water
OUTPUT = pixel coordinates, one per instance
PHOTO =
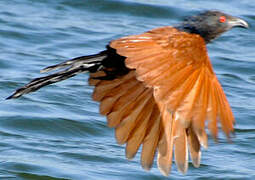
(57, 133)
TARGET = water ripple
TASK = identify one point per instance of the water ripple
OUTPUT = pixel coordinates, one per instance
(58, 133)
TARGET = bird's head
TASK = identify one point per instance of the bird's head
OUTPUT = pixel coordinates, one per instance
(211, 24)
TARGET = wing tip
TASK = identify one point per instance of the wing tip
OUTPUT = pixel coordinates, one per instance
(130, 155)
(196, 160)
(183, 167)
(146, 166)
(164, 170)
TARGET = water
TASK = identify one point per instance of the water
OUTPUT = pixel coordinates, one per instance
(57, 133)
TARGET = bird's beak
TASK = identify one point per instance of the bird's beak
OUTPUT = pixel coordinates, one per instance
(237, 22)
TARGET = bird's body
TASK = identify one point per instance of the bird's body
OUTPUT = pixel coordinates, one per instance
(157, 89)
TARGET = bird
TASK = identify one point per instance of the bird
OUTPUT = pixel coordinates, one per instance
(157, 89)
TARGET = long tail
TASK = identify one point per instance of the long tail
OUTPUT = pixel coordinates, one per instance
(73, 67)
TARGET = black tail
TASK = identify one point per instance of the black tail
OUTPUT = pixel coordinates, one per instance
(73, 67)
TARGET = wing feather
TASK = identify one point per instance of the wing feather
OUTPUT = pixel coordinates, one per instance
(225, 112)
(124, 105)
(165, 100)
(104, 87)
(181, 147)
(128, 123)
(151, 139)
(165, 147)
(194, 147)
(108, 101)
(212, 112)
(137, 135)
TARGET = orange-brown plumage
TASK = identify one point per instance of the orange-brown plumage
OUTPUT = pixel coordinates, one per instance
(157, 90)
(171, 69)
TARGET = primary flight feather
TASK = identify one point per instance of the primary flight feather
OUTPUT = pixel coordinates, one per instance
(157, 89)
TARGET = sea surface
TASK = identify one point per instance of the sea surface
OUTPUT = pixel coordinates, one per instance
(57, 132)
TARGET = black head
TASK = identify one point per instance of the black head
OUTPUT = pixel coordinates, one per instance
(211, 24)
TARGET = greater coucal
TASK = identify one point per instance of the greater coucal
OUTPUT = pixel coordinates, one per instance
(157, 89)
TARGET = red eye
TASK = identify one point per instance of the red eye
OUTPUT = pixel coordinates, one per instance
(222, 19)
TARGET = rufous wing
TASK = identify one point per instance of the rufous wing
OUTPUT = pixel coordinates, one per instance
(131, 109)
(176, 66)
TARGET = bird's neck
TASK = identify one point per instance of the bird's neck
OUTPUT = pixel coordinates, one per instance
(205, 34)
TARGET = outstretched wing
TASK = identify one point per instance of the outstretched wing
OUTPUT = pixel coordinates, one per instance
(176, 69)
(131, 109)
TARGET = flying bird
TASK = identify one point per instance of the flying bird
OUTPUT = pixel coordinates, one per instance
(157, 89)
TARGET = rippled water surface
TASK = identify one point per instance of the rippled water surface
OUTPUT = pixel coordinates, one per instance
(57, 133)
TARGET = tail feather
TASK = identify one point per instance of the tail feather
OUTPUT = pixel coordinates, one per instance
(87, 61)
(74, 66)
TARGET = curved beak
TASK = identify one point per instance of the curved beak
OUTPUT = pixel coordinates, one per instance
(237, 22)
